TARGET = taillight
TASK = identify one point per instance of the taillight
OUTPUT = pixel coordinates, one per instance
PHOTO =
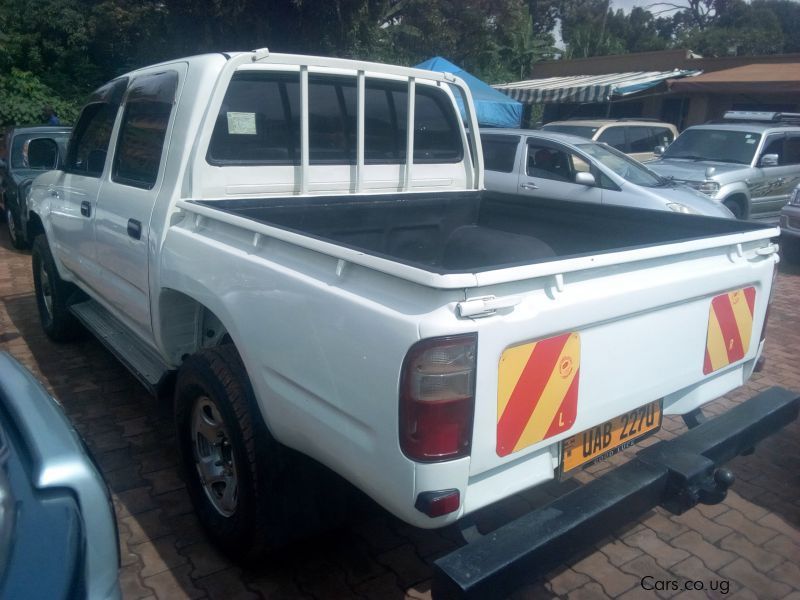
(437, 398)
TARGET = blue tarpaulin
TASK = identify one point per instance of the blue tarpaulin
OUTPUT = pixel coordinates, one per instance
(493, 108)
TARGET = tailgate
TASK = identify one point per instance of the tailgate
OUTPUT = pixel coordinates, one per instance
(573, 351)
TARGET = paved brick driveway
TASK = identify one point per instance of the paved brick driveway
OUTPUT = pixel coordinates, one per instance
(751, 541)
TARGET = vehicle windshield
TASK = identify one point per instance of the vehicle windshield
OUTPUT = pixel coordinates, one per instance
(18, 146)
(622, 165)
(719, 145)
(586, 131)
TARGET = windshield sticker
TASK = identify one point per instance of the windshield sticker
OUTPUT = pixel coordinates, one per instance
(749, 141)
(242, 123)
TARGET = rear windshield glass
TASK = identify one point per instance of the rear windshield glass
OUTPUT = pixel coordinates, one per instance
(259, 122)
(499, 152)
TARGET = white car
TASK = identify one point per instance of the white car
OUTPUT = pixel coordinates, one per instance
(545, 165)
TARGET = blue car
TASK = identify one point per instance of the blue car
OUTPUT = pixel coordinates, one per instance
(58, 536)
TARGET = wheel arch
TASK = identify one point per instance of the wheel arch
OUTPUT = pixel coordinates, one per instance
(740, 199)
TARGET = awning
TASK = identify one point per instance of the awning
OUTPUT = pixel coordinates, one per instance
(749, 79)
(588, 88)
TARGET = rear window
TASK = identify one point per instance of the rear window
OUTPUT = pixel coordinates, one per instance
(585, 131)
(259, 122)
(499, 152)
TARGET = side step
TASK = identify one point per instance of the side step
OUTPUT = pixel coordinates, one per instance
(140, 360)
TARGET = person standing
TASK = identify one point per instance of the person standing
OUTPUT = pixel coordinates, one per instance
(49, 116)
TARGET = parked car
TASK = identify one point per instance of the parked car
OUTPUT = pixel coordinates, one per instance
(547, 165)
(16, 173)
(636, 138)
(750, 163)
(326, 279)
(790, 227)
(58, 535)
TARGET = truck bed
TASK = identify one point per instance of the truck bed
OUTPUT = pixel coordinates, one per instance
(458, 232)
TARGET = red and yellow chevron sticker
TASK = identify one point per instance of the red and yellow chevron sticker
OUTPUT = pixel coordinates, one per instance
(730, 326)
(537, 391)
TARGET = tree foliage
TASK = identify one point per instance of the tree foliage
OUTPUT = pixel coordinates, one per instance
(53, 52)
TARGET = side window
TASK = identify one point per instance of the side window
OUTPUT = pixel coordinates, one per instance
(144, 127)
(548, 163)
(258, 122)
(641, 139)
(332, 135)
(663, 136)
(774, 145)
(499, 152)
(88, 147)
(614, 137)
(791, 149)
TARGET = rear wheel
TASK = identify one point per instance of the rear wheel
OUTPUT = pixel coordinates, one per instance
(252, 494)
(52, 295)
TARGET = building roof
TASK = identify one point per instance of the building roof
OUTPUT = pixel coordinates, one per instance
(748, 79)
(587, 88)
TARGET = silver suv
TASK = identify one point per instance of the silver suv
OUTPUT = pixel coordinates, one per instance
(750, 163)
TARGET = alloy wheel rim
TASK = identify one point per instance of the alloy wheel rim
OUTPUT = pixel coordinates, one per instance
(213, 455)
(12, 227)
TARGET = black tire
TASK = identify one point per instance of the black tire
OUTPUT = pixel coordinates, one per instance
(13, 226)
(275, 502)
(735, 207)
(58, 322)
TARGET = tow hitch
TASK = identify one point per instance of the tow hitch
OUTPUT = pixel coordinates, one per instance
(676, 474)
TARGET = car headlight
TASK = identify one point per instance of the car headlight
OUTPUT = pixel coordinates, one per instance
(708, 187)
(794, 199)
(681, 208)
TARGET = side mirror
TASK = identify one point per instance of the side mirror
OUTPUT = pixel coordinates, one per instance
(587, 179)
(769, 160)
(40, 153)
(659, 150)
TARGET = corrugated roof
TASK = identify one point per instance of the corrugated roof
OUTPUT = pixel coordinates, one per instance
(587, 88)
(747, 79)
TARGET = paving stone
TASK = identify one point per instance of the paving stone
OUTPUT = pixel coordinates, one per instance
(788, 572)
(385, 586)
(174, 584)
(712, 557)
(647, 540)
(775, 523)
(405, 563)
(709, 529)
(743, 573)
(695, 574)
(597, 567)
(591, 591)
(762, 559)
(564, 580)
(165, 480)
(618, 552)
(158, 556)
(131, 583)
(645, 566)
(784, 546)
(664, 527)
(743, 525)
(146, 526)
(133, 501)
(227, 585)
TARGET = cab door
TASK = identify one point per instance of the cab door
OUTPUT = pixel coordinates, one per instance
(73, 194)
(550, 172)
(771, 186)
(127, 197)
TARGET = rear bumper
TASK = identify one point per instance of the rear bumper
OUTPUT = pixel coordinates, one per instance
(676, 474)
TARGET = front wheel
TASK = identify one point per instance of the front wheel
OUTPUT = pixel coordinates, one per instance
(52, 295)
(735, 207)
(14, 233)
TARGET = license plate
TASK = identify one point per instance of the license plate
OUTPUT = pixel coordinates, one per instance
(604, 440)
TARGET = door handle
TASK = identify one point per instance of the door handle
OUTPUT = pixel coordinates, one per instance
(135, 229)
(529, 186)
(86, 208)
(55, 194)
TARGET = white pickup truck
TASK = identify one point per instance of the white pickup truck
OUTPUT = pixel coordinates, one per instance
(255, 223)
